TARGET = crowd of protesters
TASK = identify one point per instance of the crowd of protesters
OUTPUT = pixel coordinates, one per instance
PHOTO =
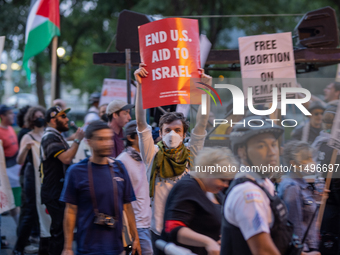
(137, 188)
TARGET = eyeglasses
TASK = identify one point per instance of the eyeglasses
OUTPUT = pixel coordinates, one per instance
(63, 116)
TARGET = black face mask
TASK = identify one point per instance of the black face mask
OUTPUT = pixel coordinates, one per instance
(39, 122)
(105, 118)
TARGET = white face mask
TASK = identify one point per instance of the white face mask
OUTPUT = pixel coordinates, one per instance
(172, 139)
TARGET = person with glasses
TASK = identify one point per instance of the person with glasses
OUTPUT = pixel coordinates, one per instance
(310, 130)
(192, 217)
(298, 195)
(56, 156)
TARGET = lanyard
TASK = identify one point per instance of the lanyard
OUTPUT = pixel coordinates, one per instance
(93, 196)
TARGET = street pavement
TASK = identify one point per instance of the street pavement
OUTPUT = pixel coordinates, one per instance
(8, 229)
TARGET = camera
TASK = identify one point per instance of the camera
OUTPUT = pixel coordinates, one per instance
(105, 220)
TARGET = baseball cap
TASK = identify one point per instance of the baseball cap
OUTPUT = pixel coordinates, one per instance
(130, 128)
(54, 112)
(4, 108)
(316, 105)
(118, 105)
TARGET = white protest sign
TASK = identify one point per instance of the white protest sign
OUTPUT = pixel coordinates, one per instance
(337, 76)
(183, 108)
(44, 217)
(115, 89)
(205, 46)
(6, 193)
(82, 152)
(267, 61)
(2, 44)
(334, 141)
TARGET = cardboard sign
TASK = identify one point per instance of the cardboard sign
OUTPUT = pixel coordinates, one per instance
(44, 217)
(337, 76)
(115, 89)
(6, 194)
(334, 141)
(2, 44)
(205, 46)
(267, 61)
(171, 50)
(83, 151)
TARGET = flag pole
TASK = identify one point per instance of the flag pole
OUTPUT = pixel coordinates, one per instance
(54, 69)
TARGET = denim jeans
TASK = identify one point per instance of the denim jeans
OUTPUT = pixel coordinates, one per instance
(145, 241)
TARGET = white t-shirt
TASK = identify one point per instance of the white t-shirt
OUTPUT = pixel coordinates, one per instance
(248, 208)
(137, 174)
(162, 185)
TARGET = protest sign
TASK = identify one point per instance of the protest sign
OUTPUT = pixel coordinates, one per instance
(267, 61)
(171, 50)
(115, 89)
(83, 151)
(6, 194)
(2, 44)
(334, 141)
(44, 217)
(205, 46)
(337, 76)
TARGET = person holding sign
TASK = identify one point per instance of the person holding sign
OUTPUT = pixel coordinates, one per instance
(297, 195)
(169, 160)
(332, 92)
(330, 226)
(310, 130)
(35, 120)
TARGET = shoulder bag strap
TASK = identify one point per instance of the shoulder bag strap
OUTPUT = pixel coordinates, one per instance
(93, 195)
(115, 188)
(32, 137)
(309, 225)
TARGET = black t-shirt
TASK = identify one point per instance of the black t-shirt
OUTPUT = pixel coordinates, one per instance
(313, 133)
(52, 169)
(188, 203)
(323, 159)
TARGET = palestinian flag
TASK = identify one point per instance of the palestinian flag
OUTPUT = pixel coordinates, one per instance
(43, 24)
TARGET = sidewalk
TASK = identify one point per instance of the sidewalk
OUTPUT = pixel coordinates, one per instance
(8, 229)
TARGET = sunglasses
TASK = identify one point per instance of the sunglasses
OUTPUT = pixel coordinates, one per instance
(63, 116)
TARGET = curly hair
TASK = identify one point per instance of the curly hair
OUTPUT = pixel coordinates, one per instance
(296, 151)
(169, 117)
(29, 117)
(21, 115)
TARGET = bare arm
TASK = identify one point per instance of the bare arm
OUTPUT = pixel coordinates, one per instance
(140, 112)
(67, 156)
(202, 120)
(262, 244)
(69, 224)
(133, 229)
(25, 145)
(189, 237)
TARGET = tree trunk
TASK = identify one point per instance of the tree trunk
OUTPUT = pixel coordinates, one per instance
(40, 85)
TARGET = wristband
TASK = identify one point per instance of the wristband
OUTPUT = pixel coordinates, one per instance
(76, 141)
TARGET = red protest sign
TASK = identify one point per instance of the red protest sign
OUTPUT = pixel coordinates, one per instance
(171, 50)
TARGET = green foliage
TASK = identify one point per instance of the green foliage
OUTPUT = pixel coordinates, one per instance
(89, 26)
